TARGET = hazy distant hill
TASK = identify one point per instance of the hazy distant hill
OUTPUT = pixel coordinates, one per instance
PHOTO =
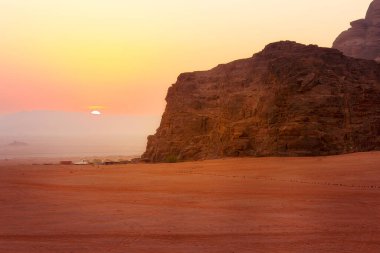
(51, 133)
(17, 144)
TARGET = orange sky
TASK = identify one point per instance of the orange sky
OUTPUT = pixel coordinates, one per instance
(123, 55)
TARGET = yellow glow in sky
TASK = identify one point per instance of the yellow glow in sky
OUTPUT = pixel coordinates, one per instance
(67, 55)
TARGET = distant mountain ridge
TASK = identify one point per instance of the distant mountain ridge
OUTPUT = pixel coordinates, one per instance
(57, 134)
(18, 144)
(74, 123)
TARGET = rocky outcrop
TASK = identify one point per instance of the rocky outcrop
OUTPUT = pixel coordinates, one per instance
(362, 40)
(287, 100)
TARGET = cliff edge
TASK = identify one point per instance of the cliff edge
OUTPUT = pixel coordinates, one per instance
(287, 100)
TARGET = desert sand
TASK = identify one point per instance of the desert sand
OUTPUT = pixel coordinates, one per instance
(318, 204)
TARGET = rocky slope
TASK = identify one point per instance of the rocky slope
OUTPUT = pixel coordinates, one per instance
(362, 40)
(288, 100)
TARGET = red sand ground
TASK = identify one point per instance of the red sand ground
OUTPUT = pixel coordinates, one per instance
(329, 204)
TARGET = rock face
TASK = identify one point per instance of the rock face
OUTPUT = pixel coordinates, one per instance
(287, 100)
(362, 40)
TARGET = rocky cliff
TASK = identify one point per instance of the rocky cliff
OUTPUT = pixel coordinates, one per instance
(362, 40)
(287, 100)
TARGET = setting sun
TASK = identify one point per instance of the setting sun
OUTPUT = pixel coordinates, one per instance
(95, 112)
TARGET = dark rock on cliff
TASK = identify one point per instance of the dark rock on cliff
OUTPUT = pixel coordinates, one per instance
(362, 40)
(288, 100)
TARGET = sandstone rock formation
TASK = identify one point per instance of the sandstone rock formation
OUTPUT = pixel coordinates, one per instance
(287, 100)
(362, 40)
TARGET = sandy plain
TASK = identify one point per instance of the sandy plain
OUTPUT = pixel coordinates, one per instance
(318, 204)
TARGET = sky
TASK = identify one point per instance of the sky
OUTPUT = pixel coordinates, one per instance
(122, 55)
